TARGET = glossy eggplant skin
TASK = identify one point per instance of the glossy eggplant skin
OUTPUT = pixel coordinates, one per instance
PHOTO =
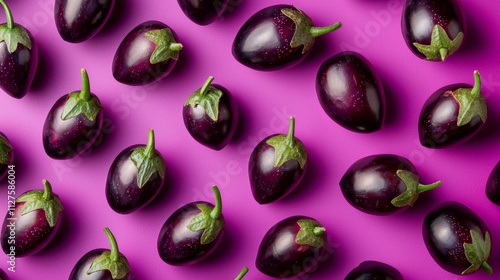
(9, 150)
(437, 124)
(65, 139)
(350, 92)
(79, 271)
(493, 185)
(203, 12)
(421, 16)
(374, 270)
(281, 256)
(448, 250)
(78, 21)
(123, 193)
(177, 245)
(132, 61)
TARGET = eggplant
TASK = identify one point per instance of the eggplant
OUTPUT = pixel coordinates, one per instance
(493, 185)
(6, 155)
(203, 12)
(374, 270)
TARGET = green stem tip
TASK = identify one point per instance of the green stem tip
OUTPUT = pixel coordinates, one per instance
(318, 31)
(8, 14)
(176, 47)
(150, 147)
(487, 268)
(47, 190)
(476, 89)
(423, 188)
(242, 273)
(114, 252)
(206, 85)
(217, 211)
(319, 230)
(291, 132)
(85, 91)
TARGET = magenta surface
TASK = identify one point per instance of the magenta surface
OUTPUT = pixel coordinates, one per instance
(266, 101)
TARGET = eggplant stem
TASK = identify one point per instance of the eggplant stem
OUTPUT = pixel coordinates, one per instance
(175, 47)
(318, 31)
(217, 211)
(423, 188)
(85, 91)
(47, 190)
(150, 147)
(242, 273)
(8, 14)
(476, 89)
(487, 267)
(114, 252)
(291, 132)
(206, 85)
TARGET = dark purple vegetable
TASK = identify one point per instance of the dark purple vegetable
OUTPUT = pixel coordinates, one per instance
(6, 155)
(192, 232)
(287, 245)
(18, 57)
(457, 239)
(147, 54)
(73, 123)
(374, 270)
(276, 166)
(203, 12)
(77, 21)
(276, 37)
(351, 93)
(32, 222)
(136, 177)
(3, 275)
(433, 29)
(210, 115)
(452, 114)
(493, 185)
(102, 264)
(382, 184)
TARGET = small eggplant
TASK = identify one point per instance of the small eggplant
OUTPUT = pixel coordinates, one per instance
(18, 57)
(210, 115)
(147, 54)
(192, 232)
(433, 29)
(276, 37)
(3, 275)
(493, 185)
(351, 93)
(289, 245)
(457, 239)
(382, 184)
(74, 123)
(32, 222)
(102, 264)
(78, 21)
(276, 166)
(374, 270)
(203, 12)
(6, 155)
(452, 114)
(136, 177)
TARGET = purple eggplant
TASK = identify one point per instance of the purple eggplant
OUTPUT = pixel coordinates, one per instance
(452, 114)
(147, 54)
(136, 177)
(351, 93)
(102, 264)
(382, 184)
(78, 21)
(203, 12)
(192, 232)
(493, 185)
(18, 57)
(3, 275)
(276, 37)
(276, 166)
(291, 247)
(31, 222)
(73, 123)
(6, 155)
(457, 239)
(210, 115)
(374, 270)
(433, 29)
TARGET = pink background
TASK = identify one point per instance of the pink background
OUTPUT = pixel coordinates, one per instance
(266, 100)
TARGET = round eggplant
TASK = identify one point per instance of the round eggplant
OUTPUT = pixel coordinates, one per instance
(433, 29)
(452, 114)
(457, 239)
(382, 184)
(493, 185)
(374, 270)
(78, 21)
(3, 275)
(289, 245)
(136, 177)
(351, 93)
(147, 54)
(32, 222)
(18, 57)
(192, 232)
(276, 166)
(203, 12)
(210, 115)
(6, 155)
(73, 123)
(102, 264)
(276, 37)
